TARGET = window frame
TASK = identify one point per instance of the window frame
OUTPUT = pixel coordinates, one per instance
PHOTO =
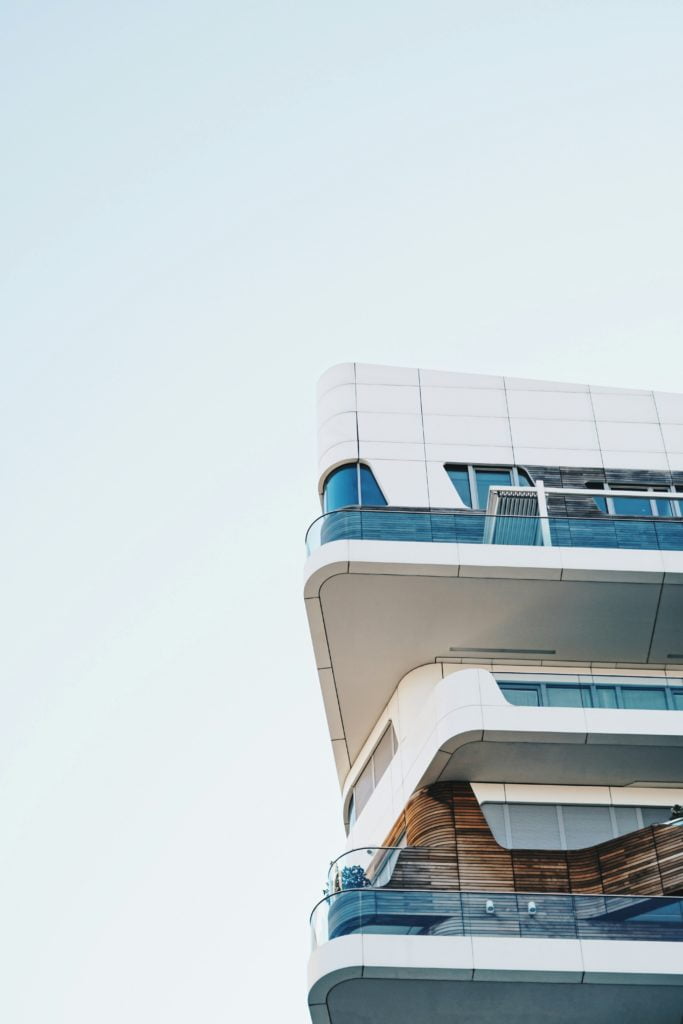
(473, 467)
(353, 810)
(670, 494)
(598, 682)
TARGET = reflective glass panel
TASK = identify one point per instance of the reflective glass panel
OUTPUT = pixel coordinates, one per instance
(643, 698)
(383, 754)
(341, 488)
(370, 493)
(655, 815)
(522, 696)
(664, 507)
(487, 478)
(362, 791)
(569, 697)
(632, 506)
(677, 698)
(460, 479)
(606, 696)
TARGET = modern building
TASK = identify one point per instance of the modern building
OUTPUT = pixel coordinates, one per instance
(495, 598)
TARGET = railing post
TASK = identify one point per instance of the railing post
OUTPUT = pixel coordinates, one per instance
(546, 539)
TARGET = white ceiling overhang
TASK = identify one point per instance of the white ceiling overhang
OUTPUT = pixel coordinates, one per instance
(378, 609)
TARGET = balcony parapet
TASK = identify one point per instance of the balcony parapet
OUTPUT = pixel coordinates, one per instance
(466, 527)
(497, 914)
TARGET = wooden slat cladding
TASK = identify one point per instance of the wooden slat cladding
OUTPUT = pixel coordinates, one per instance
(669, 857)
(540, 871)
(429, 817)
(584, 871)
(629, 864)
(451, 847)
(482, 863)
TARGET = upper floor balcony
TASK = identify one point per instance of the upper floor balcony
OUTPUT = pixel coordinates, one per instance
(515, 516)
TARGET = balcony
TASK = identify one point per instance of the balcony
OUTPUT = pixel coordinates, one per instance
(483, 957)
(447, 527)
(371, 911)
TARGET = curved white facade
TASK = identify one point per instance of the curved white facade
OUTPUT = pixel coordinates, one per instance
(514, 529)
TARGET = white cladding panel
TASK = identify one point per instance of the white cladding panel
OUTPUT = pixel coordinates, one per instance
(416, 420)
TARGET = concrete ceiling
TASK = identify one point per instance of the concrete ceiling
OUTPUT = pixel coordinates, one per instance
(407, 1001)
(380, 623)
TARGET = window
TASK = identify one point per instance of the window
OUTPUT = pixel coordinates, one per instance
(473, 483)
(565, 826)
(351, 484)
(634, 505)
(377, 764)
(634, 693)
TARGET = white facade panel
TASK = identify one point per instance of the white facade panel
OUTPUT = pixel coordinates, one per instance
(549, 405)
(388, 398)
(392, 427)
(467, 402)
(555, 433)
(466, 430)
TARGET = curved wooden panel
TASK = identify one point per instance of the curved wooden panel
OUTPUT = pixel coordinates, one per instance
(429, 817)
(450, 846)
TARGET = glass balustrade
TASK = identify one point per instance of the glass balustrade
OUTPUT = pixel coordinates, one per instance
(371, 911)
(464, 527)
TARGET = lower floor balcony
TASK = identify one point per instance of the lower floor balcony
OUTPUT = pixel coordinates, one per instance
(456, 929)
(371, 911)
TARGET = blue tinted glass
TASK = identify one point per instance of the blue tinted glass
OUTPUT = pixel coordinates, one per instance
(461, 481)
(645, 698)
(370, 493)
(524, 478)
(487, 478)
(569, 696)
(606, 696)
(632, 506)
(664, 507)
(341, 488)
(522, 696)
(677, 698)
(601, 503)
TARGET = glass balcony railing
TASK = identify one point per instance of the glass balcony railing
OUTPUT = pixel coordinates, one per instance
(464, 527)
(371, 911)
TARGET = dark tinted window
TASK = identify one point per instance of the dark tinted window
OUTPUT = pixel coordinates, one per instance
(341, 488)
(370, 493)
(351, 485)
(487, 478)
(460, 479)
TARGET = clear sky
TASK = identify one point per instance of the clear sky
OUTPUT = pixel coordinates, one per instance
(203, 206)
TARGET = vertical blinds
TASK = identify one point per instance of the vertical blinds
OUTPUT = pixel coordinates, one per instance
(565, 826)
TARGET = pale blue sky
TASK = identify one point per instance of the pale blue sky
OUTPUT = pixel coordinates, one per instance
(205, 205)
